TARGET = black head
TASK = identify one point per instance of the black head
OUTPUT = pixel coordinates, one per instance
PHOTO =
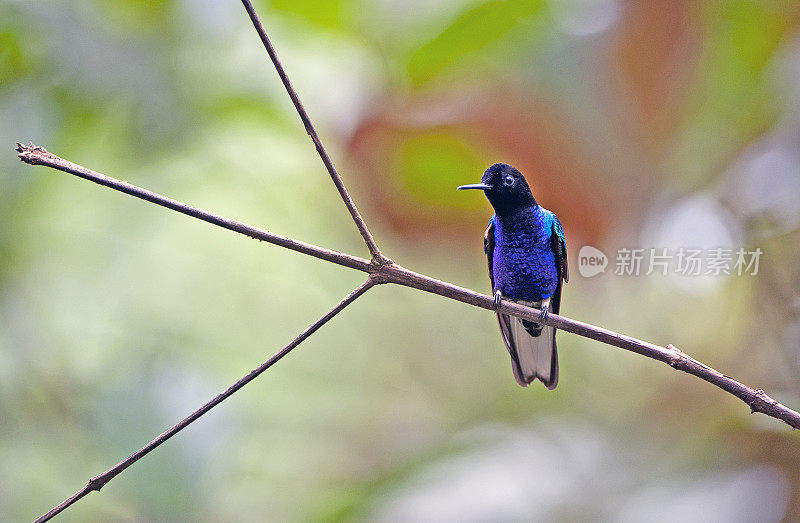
(505, 187)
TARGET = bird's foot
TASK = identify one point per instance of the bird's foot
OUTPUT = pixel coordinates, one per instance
(496, 300)
(545, 311)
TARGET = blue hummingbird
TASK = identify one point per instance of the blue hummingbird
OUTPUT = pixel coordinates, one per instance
(527, 256)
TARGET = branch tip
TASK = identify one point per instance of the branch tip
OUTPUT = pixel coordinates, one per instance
(27, 152)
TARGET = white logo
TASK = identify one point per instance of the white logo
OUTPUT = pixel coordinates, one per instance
(591, 261)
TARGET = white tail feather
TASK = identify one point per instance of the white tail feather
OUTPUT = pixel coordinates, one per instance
(534, 353)
(532, 357)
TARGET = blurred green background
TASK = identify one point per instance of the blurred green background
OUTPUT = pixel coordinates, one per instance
(642, 124)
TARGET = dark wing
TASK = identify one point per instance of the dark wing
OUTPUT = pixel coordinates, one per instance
(488, 248)
(559, 246)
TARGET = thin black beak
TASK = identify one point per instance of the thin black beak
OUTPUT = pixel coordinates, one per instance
(481, 186)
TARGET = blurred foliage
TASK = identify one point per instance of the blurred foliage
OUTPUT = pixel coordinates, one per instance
(642, 124)
(431, 164)
(476, 29)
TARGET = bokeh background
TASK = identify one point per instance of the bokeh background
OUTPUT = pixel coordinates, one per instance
(652, 124)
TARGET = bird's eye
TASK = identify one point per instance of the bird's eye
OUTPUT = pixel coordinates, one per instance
(508, 180)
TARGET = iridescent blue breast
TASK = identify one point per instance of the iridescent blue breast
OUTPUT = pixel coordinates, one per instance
(524, 265)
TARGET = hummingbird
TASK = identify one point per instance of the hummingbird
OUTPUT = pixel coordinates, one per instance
(527, 255)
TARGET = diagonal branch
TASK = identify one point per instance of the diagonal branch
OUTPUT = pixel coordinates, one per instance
(393, 273)
(36, 155)
(99, 481)
(377, 257)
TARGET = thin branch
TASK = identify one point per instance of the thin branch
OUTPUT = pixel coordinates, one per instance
(36, 155)
(99, 481)
(756, 399)
(337, 180)
(393, 273)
